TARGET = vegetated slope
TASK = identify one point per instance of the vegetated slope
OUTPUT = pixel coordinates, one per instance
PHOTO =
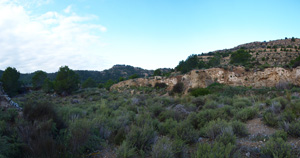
(277, 53)
(113, 73)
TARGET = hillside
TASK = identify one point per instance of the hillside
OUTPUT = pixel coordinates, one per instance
(277, 53)
(113, 73)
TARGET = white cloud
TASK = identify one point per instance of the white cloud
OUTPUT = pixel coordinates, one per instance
(68, 9)
(46, 42)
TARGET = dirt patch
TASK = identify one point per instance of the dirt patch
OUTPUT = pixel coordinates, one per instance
(257, 127)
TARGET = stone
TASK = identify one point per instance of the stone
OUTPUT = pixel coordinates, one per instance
(248, 154)
(74, 101)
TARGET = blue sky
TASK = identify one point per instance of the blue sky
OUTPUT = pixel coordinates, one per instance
(97, 34)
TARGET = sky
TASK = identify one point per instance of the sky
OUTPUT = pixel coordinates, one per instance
(97, 34)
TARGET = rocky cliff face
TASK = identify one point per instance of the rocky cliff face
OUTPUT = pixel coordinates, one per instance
(237, 76)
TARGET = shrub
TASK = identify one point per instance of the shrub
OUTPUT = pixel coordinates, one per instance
(126, 151)
(180, 148)
(141, 137)
(79, 134)
(204, 116)
(199, 102)
(211, 105)
(163, 148)
(167, 126)
(241, 103)
(270, 119)
(227, 136)
(185, 131)
(89, 83)
(241, 57)
(214, 128)
(199, 92)
(160, 85)
(294, 129)
(42, 110)
(178, 88)
(217, 150)
(280, 134)
(246, 114)
(239, 128)
(288, 116)
(277, 148)
(275, 107)
(8, 115)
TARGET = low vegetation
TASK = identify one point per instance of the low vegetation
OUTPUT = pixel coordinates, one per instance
(98, 122)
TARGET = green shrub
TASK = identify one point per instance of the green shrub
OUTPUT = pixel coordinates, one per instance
(203, 117)
(126, 151)
(284, 102)
(163, 148)
(160, 85)
(239, 128)
(217, 150)
(227, 136)
(180, 148)
(294, 129)
(288, 116)
(89, 83)
(8, 115)
(211, 105)
(246, 114)
(167, 126)
(280, 134)
(277, 148)
(241, 103)
(199, 92)
(185, 131)
(199, 101)
(42, 110)
(270, 119)
(141, 137)
(241, 57)
(178, 88)
(214, 128)
(79, 134)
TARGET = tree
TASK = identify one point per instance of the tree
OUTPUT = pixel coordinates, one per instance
(66, 81)
(121, 79)
(293, 39)
(190, 63)
(89, 83)
(10, 79)
(108, 84)
(157, 72)
(38, 79)
(240, 57)
(48, 86)
(133, 76)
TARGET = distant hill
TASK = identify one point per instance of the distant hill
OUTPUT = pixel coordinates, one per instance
(113, 73)
(277, 53)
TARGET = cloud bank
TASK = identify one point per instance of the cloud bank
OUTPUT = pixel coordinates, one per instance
(45, 42)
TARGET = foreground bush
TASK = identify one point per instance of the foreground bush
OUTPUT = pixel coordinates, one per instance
(199, 92)
(294, 129)
(163, 148)
(217, 150)
(126, 151)
(141, 137)
(277, 148)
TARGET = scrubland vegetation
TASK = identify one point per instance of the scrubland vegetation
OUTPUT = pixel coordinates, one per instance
(141, 122)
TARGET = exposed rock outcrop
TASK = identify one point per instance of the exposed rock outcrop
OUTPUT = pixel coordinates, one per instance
(237, 76)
